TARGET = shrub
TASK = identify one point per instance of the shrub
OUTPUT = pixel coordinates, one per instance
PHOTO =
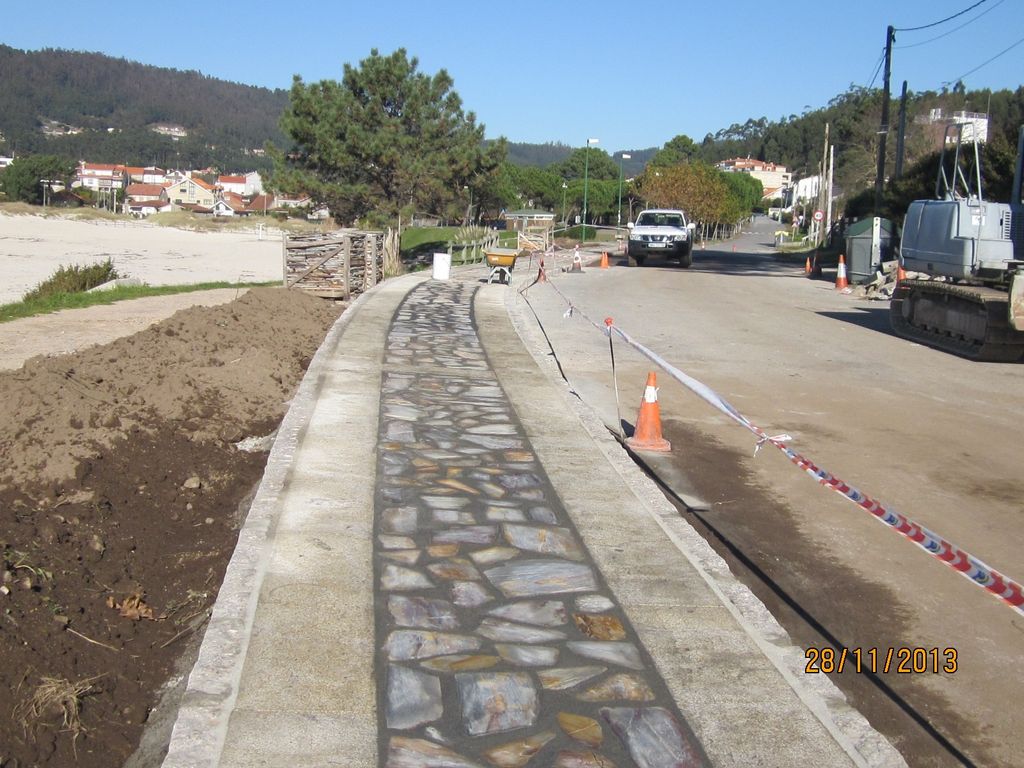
(73, 279)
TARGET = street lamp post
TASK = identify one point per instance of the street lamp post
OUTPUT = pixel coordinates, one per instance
(586, 172)
(623, 156)
(564, 187)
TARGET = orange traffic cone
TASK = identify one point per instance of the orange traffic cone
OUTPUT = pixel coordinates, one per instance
(807, 267)
(901, 273)
(841, 281)
(647, 435)
(604, 260)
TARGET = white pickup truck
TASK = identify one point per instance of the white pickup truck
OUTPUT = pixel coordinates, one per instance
(661, 231)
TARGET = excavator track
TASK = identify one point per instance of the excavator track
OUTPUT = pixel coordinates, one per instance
(967, 320)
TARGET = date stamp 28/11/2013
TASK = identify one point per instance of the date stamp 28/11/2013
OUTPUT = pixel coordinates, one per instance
(903, 660)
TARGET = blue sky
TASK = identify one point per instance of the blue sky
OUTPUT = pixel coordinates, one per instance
(630, 74)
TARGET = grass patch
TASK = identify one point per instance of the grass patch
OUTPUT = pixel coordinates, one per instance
(20, 209)
(59, 301)
(588, 233)
(422, 241)
(73, 279)
(417, 241)
(190, 221)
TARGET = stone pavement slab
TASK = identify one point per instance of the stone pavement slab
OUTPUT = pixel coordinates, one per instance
(446, 565)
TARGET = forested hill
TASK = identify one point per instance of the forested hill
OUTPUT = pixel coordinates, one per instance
(543, 155)
(87, 105)
(797, 141)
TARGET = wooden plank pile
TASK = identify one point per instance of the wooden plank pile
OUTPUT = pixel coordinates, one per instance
(334, 265)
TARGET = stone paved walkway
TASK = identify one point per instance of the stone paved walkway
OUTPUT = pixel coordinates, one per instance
(498, 641)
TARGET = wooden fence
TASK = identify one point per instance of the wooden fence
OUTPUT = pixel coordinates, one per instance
(472, 252)
(334, 265)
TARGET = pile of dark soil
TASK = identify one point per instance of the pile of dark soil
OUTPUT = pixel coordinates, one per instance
(121, 494)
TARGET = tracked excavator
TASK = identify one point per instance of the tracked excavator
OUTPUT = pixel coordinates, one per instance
(969, 297)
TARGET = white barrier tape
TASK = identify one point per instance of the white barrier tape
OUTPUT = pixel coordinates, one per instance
(968, 566)
(776, 439)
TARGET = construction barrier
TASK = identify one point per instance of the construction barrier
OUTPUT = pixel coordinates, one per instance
(970, 567)
(841, 281)
(647, 433)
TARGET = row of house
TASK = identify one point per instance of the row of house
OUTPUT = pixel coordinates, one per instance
(103, 176)
(149, 190)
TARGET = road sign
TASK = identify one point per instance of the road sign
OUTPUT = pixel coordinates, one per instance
(818, 215)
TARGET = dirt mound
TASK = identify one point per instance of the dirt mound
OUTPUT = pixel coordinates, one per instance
(120, 496)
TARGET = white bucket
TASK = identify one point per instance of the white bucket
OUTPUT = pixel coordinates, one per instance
(442, 266)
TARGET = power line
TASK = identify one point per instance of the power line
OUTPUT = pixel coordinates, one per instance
(984, 63)
(955, 29)
(878, 66)
(942, 21)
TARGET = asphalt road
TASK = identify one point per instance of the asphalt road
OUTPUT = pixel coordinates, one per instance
(929, 434)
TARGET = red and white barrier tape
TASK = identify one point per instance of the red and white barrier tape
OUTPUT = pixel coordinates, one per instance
(961, 561)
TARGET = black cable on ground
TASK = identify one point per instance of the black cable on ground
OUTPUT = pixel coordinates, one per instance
(804, 614)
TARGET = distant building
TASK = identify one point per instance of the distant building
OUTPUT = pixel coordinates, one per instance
(806, 189)
(52, 128)
(141, 192)
(148, 175)
(167, 129)
(247, 184)
(299, 200)
(191, 192)
(262, 203)
(230, 204)
(97, 176)
(143, 208)
(774, 178)
(975, 124)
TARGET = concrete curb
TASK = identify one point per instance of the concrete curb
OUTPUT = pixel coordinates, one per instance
(200, 728)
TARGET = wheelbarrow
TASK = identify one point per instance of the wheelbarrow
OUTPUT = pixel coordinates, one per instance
(501, 261)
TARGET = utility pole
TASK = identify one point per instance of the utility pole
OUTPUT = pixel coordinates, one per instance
(586, 172)
(623, 157)
(901, 135)
(883, 130)
(823, 170)
(828, 193)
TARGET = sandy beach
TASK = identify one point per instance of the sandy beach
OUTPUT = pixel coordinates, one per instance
(33, 247)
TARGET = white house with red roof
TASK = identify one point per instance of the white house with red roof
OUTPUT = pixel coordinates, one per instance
(773, 177)
(100, 176)
(143, 208)
(147, 175)
(245, 184)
